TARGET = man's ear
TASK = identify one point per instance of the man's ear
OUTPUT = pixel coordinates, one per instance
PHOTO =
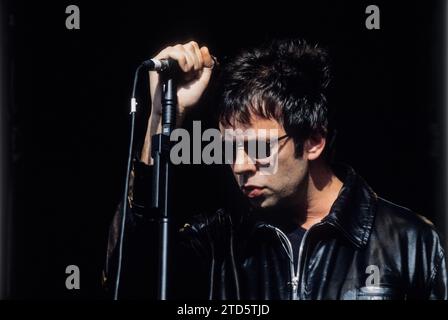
(314, 146)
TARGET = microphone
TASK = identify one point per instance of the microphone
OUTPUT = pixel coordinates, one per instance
(162, 65)
(168, 66)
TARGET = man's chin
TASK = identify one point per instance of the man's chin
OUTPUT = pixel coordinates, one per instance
(262, 203)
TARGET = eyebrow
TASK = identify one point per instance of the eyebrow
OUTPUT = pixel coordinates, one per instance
(256, 138)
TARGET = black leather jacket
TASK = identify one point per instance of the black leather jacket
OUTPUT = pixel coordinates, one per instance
(365, 248)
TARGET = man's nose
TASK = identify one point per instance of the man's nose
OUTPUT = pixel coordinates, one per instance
(243, 163)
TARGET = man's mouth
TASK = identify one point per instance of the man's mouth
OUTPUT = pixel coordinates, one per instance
(253, 191)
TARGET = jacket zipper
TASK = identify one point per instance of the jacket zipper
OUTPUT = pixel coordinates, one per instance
(296, 278)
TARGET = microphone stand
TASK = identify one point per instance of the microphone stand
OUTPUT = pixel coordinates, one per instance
(161, 186)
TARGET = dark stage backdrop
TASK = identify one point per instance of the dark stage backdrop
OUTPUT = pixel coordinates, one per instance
(69, 112)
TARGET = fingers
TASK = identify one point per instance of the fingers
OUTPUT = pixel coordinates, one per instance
(177, 53)
(189, 56)
(192, 50)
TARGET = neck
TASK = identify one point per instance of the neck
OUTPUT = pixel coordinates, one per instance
(320, 193)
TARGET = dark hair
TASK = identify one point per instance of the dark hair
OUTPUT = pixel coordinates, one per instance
(285, 80)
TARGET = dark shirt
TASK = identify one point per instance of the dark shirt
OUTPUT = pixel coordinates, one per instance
(296, 236)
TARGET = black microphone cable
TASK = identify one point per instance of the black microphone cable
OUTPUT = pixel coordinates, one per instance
(126, 185)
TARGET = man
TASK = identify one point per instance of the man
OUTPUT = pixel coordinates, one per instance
(311, 230)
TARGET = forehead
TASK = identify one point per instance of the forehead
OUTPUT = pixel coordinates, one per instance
(257, 123)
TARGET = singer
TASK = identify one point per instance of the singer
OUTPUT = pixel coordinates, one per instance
(314, 229)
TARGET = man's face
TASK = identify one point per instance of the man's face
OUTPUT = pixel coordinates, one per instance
(283, 186)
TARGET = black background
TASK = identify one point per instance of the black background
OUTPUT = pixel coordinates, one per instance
(69, 113)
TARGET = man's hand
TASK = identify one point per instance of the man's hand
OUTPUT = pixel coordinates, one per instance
(196, 64)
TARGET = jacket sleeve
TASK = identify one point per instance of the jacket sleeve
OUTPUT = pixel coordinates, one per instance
(139, 238)
(429, 263)
(438, 284)
(188, 273)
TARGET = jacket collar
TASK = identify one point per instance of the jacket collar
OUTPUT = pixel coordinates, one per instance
(353, 212)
